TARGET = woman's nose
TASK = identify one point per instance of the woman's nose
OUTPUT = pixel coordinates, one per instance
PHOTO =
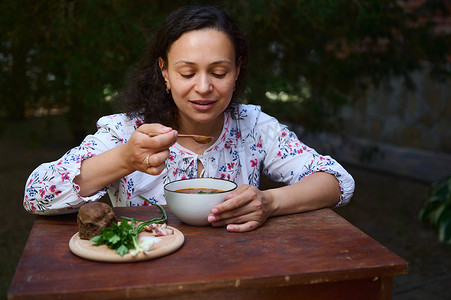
(203, 84)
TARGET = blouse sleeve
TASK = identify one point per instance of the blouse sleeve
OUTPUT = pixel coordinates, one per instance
(50, 189)
(288, 160)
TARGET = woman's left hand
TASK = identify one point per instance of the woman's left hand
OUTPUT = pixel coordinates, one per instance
(245, 209)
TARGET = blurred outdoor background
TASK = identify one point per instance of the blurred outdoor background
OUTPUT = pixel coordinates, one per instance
(367, 82)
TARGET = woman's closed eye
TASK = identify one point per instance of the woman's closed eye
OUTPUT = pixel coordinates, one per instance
(191, 75)
(215, 74)
(219, 75)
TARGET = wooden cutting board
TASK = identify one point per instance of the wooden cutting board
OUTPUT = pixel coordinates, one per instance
(88, 250)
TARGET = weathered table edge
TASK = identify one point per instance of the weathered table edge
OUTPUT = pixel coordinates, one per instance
(195, 288)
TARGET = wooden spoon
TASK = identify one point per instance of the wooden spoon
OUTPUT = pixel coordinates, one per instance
(200, 139)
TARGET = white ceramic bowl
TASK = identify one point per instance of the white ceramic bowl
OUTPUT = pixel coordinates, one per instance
(193, 209)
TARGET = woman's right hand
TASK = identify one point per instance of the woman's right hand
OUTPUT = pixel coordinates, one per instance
(140, 153)
(148, 154)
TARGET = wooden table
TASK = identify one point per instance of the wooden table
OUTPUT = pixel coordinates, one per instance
(315, 255)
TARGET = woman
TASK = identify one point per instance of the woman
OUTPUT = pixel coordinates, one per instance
(189, 82)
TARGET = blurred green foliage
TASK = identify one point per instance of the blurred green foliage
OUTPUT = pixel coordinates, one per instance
(308, 58)
(437, 208)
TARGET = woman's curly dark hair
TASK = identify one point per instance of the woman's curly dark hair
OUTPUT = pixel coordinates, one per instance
(145, 95)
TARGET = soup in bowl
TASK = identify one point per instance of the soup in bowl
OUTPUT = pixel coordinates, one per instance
(191, 200)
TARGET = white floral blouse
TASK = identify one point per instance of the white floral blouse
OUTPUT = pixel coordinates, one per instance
(251, 141)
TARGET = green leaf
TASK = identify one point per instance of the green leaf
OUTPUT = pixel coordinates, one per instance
(432, 204)
(122, 250)
(97, 239)
(114, 239)
(444, 231)
(437, 209)
(107, 235)
(445, 213)
(437, 214)
(124, 224)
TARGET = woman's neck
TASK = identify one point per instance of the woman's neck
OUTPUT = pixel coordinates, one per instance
(213, 129)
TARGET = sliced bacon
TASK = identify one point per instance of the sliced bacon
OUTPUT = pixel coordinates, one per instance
(159, 229)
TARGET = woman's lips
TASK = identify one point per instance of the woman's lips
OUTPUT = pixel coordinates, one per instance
(202, 104)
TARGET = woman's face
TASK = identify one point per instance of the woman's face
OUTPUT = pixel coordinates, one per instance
(201, 74)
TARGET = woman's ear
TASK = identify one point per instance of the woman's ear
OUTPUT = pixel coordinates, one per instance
(164, 72)
(163, 68)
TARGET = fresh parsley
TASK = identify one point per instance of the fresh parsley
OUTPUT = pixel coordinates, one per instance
(123, 237)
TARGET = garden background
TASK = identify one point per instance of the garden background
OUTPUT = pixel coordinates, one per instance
(364, 81)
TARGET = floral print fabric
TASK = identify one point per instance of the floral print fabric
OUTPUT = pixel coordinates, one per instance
(251, 142)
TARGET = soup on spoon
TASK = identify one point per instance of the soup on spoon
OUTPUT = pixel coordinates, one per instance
(200, 139)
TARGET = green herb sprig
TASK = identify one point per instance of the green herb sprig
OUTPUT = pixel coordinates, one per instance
(123, 237)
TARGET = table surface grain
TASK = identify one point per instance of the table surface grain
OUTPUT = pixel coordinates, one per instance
(306, 248)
